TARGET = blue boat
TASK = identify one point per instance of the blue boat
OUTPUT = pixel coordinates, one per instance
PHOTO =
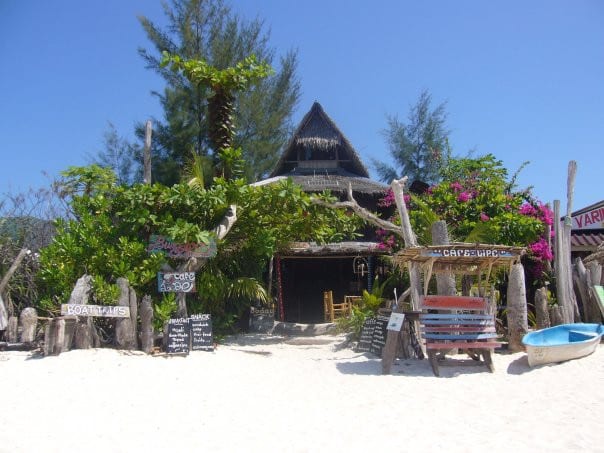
(563, 342)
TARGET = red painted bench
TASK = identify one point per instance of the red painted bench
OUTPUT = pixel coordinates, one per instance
(453, 322)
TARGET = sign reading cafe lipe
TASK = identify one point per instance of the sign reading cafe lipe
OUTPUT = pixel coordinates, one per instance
(459, 252)
(176, 282)
(163, 244)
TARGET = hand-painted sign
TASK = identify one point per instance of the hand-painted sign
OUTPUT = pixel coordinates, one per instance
(396, 321)
(178, 336)
(163, 244)
(201, 332)
(589, 220)
(176, 282)
(105, 311)
(464, 252)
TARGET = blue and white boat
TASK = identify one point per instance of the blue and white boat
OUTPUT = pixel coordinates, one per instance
(563, 342)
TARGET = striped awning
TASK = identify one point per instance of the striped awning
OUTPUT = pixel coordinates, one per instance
(585, 240)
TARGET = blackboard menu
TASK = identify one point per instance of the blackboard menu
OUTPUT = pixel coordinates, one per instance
(366, 335)
(262, 319)
(201, 333)
(178, 336)
(378, 340)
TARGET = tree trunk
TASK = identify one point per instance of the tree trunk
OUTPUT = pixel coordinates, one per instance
(133, 301)
(29, 323)
(124, 332)
(3, 315)
(517, 314)
(541, 309)
(146, 313)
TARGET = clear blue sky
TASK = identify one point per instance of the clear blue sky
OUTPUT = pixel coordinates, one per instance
(523, 80)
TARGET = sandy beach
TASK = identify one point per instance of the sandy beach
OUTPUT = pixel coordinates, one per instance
(270, 393)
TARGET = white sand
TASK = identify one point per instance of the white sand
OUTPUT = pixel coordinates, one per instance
(260, 393)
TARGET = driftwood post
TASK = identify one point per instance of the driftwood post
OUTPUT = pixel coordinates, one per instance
(541, 309)
(29, 323)
(563, 266)
(12, 332)
(584, 284)
(147, 153)
(124, 331)
(84, 335)
(392, 338)
(517, 312)
(146, 314)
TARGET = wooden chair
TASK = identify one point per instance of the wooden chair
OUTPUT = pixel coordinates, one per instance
(454, 322)
(332, 310)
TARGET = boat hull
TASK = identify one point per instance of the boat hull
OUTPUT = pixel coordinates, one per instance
(561, 343)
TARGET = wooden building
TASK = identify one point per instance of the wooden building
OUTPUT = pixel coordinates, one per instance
(319, 157)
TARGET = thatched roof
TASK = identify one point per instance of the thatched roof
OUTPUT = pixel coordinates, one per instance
(318, 131)
(340, 249)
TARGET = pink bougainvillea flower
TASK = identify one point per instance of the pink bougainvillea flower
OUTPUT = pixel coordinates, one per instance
(456, 186)
(484, 217)
(527, 209)
(464, 196)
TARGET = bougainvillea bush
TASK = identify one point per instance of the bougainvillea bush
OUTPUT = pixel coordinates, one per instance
(479, 204)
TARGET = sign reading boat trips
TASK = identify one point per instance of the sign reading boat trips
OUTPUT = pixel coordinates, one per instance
(178, 336)
(165, 245)
(467, 252)
(201, 332)
(176, 282)
(105, 311)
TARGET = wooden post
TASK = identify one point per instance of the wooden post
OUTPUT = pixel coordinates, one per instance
(584, 283)
(3, 315)
(12, 332)
(134, 315)
(517, 313)
(146, 313)
(84, 329)
(147, 153)
(124, 332)
(29, 323)
(541, 308)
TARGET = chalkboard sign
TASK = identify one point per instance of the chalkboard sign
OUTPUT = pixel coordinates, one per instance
(366, 335)
(262, 319)
(378, 340)
(201, 333)
(179, 335)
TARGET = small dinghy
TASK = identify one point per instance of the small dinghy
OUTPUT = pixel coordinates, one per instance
(563, 342)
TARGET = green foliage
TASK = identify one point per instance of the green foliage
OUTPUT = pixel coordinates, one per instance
(208, 31)
(420, 147)
(108, 235)
(370, 303)
(104, 293)
(163, 310)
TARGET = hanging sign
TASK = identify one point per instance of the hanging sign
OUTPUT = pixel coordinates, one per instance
(165, 245)
(176, 282)
(467, 252)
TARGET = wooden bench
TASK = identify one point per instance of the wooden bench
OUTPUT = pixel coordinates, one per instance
(452, 322)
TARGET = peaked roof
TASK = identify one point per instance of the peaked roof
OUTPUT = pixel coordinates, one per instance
(318, 130)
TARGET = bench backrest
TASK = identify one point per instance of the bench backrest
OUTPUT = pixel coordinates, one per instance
(464, 321)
